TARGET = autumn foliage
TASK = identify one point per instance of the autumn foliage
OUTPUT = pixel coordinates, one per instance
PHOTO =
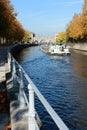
(61, 37)
(10, 28)
(77, 28)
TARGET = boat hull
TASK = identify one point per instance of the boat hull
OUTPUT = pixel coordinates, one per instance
(60, 54)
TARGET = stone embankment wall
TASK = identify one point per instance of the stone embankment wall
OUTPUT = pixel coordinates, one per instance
(81, 47)
(17, 48)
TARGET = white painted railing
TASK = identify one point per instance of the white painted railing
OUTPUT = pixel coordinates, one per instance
(33, 89)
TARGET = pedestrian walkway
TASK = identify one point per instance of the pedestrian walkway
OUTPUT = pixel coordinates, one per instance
(7, 95)
(4, 104)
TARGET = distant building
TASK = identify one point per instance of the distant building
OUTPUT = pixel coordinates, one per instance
(32, 37)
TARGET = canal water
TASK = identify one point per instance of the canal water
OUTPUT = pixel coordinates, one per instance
(63, 82)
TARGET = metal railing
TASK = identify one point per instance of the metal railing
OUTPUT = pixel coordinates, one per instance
(33, 89)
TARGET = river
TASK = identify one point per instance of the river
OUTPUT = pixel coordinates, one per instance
(63, 82)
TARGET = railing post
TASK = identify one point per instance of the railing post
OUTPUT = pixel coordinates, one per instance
(31, 123)
(21, 96)
(9, 61)
(14, 69)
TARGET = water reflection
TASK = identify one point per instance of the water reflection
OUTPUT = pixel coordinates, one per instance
(63, 82)
(79, 61)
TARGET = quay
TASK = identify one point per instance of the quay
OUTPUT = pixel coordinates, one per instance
(17, 110)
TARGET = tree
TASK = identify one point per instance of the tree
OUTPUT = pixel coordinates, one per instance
(84, 9)
(10, 27)
(77, 28)
(61, 37)
(6, 15)
(84, 22)
(84, 25)
(18, 33)
(26, 37)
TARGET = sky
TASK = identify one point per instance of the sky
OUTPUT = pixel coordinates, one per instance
(46, 17)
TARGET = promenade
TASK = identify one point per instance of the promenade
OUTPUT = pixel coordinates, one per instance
(4, 104)
(7, 94)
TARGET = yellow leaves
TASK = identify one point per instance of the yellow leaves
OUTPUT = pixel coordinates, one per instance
(61, 37)
(77, 28)
(84, 10)
(84, 24)
(26, 36)
(10, 27)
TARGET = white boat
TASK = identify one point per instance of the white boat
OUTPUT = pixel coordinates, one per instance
(59, 49)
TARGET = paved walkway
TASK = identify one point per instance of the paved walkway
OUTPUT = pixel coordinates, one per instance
(4, 104)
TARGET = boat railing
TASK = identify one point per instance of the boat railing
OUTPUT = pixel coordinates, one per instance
(33, 125)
